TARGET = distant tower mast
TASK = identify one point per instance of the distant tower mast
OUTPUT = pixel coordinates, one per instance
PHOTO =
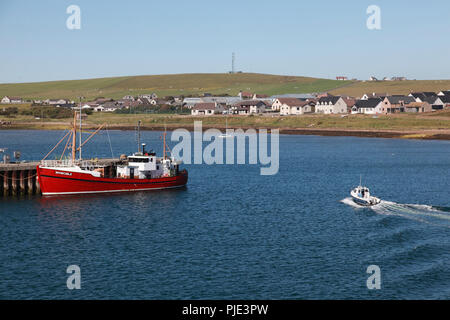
(232, 62)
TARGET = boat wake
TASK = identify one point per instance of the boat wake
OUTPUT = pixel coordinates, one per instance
(438, 216)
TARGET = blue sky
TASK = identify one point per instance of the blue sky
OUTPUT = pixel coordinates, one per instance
(311, 38)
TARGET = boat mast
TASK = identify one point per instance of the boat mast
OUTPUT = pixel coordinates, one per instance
(164, 143)
(80, 127)
(72, 136)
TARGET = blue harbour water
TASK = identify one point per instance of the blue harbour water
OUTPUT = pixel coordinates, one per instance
(235, 234)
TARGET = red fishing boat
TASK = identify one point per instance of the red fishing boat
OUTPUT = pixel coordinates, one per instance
(140, 171)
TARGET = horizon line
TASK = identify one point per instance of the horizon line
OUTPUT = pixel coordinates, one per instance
(208, 73)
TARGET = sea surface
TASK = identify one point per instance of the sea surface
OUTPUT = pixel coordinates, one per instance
(235, 234)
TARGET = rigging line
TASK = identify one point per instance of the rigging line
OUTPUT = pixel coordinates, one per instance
(67, 143)
(56, 145)
(109, 139)
(93, 134)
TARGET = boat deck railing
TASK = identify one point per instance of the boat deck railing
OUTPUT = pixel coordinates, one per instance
(81, 163)
(58, 163)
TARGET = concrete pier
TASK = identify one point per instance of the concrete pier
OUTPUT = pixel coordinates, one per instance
(21, 178)
(30, 182)
(18, 179)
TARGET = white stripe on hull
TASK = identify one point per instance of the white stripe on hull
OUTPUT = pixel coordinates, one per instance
(107, 191)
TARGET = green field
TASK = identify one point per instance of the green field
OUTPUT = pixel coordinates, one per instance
(413, 125)
(164, 85)
(214, 83)
(358, 89)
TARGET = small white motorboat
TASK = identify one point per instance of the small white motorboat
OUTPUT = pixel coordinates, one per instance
(361, 195)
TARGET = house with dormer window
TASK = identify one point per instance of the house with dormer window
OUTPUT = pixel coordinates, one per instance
(331, 105)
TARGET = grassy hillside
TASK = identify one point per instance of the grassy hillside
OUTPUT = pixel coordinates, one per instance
(178, 84)
(215, 83)
(393, 87)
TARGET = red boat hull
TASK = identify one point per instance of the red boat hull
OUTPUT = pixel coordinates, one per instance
(60, 181)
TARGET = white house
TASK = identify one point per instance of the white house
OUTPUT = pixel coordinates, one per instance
(374, 95)
(99, 109)
(369, 106)
(87, 106)
(16, 100)
(422, 96)
(249, 106)
(56, 101)
(128, 97)
(242, 111)
(331, 105)
(278, 102)
(436, 102)
(276, 105)
(295, 108)
(7, 100)
(207, 109)
(110, 106)
(149, 96)
(444, 93)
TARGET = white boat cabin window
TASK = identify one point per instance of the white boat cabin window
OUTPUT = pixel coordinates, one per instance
(145, 160)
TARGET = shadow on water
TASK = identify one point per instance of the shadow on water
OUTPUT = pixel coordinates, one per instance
(76, 211)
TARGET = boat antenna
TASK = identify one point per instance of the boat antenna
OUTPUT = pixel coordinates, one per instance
(360, 179)
(139, 136)
(164, 142)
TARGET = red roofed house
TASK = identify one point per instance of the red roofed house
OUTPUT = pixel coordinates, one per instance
(350, 103)
(260, 96)
(245, 95)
